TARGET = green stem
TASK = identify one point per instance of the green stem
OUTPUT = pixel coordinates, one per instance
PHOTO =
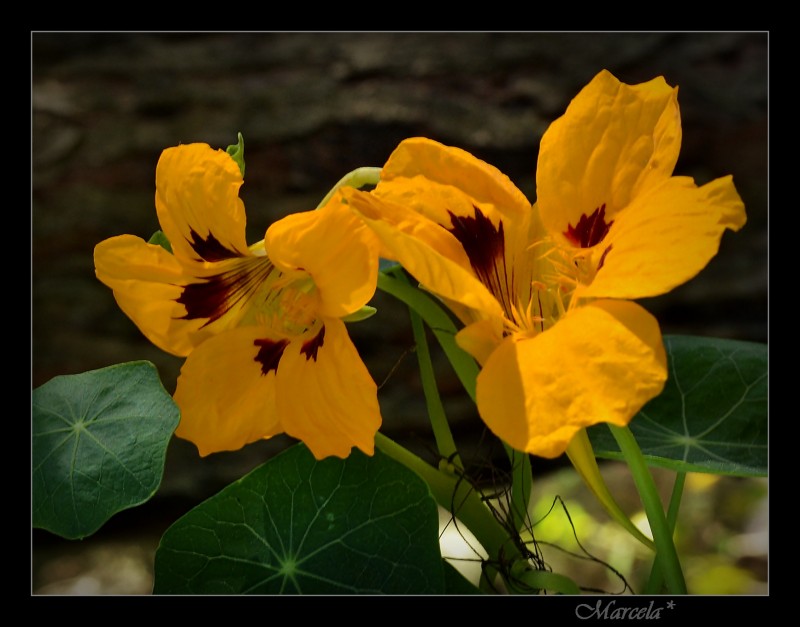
(439, 322)
(459, 498)
(358, 178)
(441, 430)
(662, 534)
(656, 574)
(521, 485)
(467, 371)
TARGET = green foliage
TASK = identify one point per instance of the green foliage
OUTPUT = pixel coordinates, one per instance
(297, 525)
(711, 416)
(99, 444)
(362, 314)
(237, 152)
(159, 238)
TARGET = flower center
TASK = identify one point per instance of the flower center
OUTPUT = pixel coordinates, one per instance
(290, 304)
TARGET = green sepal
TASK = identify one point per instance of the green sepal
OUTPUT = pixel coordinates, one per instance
(362, 314)
(160, 239)
(236, 151)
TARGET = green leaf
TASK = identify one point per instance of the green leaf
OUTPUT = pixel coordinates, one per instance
(360, 525)
(159, 238)
(711, 416)
(99, 443)
(237, 152)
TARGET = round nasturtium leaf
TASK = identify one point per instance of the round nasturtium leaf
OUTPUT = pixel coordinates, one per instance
(99, 445)
(295, 525)
(711, 416)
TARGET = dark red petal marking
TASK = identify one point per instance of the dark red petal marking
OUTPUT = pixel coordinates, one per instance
(590, 230)
(210, 248)
(485, 246)
(219, 293)
(269, 354)
(310, 347)
(603, 256)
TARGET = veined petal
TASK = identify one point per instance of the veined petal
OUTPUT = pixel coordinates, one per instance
(198, 204)
(147, 282)
(665, 238)
(335, 247)
(326, 396)
(433, 256)
(400, 217)
(226, 390)
(613, 142)
(599, 363)
(435, 180)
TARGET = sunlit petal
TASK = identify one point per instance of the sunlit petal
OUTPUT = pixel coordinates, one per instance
(480, 339)
(226, 390)
(613, 142)
(665, 238)
(437, 272)
(326, 396)
(433, 179)
(600, 363)
(335, 247)
(198, 204)
(147, 281)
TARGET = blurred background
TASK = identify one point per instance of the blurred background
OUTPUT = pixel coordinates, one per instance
(312, 107)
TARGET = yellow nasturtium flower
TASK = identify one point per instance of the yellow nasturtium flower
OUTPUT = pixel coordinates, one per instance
(261, 326)
(542, 290)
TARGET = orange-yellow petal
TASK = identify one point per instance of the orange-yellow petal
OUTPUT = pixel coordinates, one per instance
(198, 204)
(435, 180)
(147, 281)
(599, 363)
(335, 247)
(404, 219)
(665, 238)
(326, 396)
(613, 142)
(480, 339)
(226, 390)
(435, 258)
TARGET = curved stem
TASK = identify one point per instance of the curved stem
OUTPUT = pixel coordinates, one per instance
(441, 430)
(656, 574)
(467, 371)
(459, 498)
(358, 178)
(581, 454)
(439, 322)
(662, 534)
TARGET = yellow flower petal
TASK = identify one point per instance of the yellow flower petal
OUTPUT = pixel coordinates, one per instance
(147, 281)
(614, 142)
(326, 396)
(600, 363)
(400, 217)
(665, 238)
(480, 339)
(433, 179)
(226, 390)
(335, 247)
(427, 252)
(198, 204)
